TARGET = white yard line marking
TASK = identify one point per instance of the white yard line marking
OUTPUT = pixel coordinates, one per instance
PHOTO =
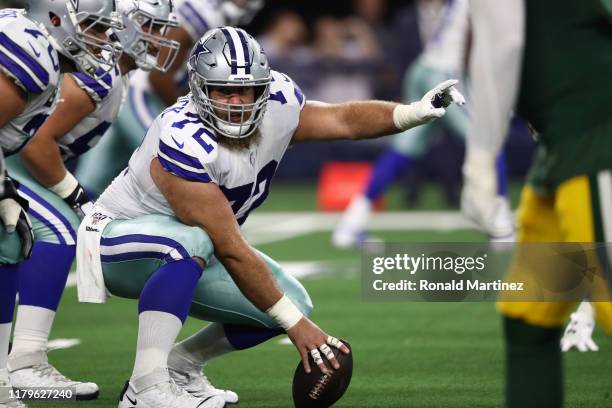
(60, 344)
(272, 227)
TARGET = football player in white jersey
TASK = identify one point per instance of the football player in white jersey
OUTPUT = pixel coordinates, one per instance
(204, 165)
(444, 56)
(34, 51)
(57, 201)
(151, 92)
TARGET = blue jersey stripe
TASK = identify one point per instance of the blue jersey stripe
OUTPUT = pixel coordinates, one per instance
(202, 26)
(144, 239)
(186, 174)
(180, 156)
(38, 70)
(106, 78)
(92, 84)
(132, 256)
(21, 74)
(298, 94)
(48, 224)
(232, 48)
(81, 145)
(245, 50)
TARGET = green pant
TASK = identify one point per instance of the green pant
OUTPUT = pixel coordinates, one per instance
(132, 250)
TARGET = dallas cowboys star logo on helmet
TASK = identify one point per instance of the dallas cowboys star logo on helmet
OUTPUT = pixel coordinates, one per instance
(200, 49)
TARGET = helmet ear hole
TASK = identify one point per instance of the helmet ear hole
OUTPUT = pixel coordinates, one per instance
(55, 20)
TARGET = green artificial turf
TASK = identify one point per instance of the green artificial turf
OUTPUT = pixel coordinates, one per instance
(407, 355)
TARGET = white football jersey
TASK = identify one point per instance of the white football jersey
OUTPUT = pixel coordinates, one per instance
(108, 93)
(188, 148)
(27, 57)
(446, 51)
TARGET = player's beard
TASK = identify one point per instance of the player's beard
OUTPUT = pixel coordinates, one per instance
(243, 143)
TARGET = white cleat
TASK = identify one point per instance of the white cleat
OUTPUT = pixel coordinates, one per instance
(198, 385)
(5, 393)
(165, 394)
(33, 370)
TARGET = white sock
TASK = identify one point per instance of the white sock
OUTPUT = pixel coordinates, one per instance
(157, 332)
(194, 352)
(32, 328)
(5, 337)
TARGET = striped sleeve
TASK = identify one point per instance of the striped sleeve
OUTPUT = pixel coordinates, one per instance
(17, 63)
(299, 95)
(96, 89)
(197, 17)
(175, 156)
(284, 90)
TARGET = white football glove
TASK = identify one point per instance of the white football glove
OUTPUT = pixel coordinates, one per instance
(432, 106)
(579, 332)
(479, 199)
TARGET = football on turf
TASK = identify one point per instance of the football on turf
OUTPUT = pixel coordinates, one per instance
(317, 390)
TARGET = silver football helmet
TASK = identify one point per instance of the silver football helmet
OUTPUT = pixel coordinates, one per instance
(145, 23)
(240, 12)
(78, 30)
(229, 57)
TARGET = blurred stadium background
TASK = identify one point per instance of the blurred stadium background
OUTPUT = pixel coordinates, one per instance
(407, 354)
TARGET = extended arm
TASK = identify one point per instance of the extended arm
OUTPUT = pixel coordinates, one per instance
(370, 119)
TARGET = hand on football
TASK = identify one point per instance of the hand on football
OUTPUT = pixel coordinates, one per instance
(308, 338)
